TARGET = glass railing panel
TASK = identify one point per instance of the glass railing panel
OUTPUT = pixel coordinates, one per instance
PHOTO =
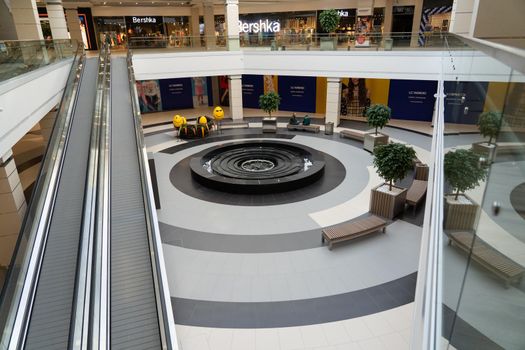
(20, 57)
(484, 213)
(30, 241)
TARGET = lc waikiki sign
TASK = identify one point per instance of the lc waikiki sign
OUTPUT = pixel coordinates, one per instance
(265, 26)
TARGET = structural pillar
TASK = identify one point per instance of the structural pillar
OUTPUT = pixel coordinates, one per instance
(26, 21)
(194, 26)
(232, 24)
(12, 207)
(418, 11)
(57, 19)
(333, 100)
(387, 25)
(209, 25)
(235, 86)
(73, 23)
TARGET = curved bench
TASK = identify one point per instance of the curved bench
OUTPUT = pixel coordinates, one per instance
(301, 127)
(354, 229)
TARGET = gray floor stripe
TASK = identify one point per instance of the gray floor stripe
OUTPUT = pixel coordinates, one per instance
(296, 312)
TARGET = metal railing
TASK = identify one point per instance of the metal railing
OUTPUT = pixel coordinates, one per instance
(308, 41)
(19, 57)
(19, 289)
(160, 280)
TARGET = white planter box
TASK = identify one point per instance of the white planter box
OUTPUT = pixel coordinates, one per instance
(485, 150)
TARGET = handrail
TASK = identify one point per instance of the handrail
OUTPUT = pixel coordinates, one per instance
(427, 325)
(164, 307)
(80, 320)
(19, 292)
(100, 333)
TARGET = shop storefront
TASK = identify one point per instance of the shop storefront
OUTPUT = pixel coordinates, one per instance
(111, 31)
(177, 30)
(145, 31)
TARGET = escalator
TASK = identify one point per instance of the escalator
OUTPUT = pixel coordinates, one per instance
(88, 269)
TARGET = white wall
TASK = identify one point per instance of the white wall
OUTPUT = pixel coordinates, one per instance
(27, 99)
(421, 65)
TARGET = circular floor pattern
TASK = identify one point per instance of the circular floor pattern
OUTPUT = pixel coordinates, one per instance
(517, 199)
(180, 179)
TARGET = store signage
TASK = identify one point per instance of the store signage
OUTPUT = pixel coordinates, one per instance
(342, 13)
(364, 11)
(265, 26)
(144, 20)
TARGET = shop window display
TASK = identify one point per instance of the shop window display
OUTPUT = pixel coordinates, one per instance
(112, 31)
(177, 31)
(145, 31)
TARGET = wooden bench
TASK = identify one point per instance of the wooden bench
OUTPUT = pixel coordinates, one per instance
(301, 127)
(505, 148)
(415, 193)
(351, 230)
(233, 124)
(488, 257)
(354, 134)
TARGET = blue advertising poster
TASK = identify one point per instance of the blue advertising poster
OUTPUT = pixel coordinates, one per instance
(252, 88)
(297, 93)
(464, 101)
(412, 99)
(176, 93)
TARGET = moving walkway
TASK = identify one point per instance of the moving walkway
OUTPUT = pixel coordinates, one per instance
(88, 271)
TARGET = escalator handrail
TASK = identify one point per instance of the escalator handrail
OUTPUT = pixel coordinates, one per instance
(33, 234)
(81, 327)
(160, 280)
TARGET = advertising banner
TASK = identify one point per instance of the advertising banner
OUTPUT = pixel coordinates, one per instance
(149, 96)
(224, 91)
(252, 88)
(176, 93)
(199, 87)
(464, 101)
(412, 99)
(297, 93)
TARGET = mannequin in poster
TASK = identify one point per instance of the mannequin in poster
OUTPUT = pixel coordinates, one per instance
(199, 91)
(149, 96)
(355, 98)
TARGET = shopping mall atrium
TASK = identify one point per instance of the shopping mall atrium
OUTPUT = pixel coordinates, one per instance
(262, 175)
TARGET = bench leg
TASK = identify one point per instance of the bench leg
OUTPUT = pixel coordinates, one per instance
(383, 229)
(322, 239)
(330, 246)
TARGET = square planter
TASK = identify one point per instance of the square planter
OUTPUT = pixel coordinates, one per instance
(461, 214)
(421, 172)
(385, 203)
(328, 44)
(485, 150)
(371, 140)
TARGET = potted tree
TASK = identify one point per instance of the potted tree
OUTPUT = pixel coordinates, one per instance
(393, 161)
(329, 20)
(377, 116)
(463, 171)
(489, 124)
(269, 102)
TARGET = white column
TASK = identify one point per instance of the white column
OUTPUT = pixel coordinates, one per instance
(387, 24)
(12, 207)
(416, 21)
(333, 100)
(209, 25)
(73, 24)
(194, 26)
(232, 24)
(57, 19)
(235, 87)
(25, 17)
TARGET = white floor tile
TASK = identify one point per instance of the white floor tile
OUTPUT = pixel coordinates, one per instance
(221, 339)
(357, 329)
(372, 344)
(394, 341)
(199, 342)
(290, 338)
(267, 338)
(243, 339)
(377, 324)
(336, 333)
(313, 336)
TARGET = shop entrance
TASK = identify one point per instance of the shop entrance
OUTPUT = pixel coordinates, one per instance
(402, 19)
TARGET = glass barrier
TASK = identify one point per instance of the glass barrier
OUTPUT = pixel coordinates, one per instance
(483, 239)
(19, 57)
(15, 295)
(304, 42)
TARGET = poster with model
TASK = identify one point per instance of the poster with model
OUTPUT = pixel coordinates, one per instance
(224, 91)
(270, 83)
(363, 29)
(199, 88)
(355, 97)
(149, 96)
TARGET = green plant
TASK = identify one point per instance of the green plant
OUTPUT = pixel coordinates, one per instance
(269, 102)
(463, 170)
(489, 124)
(378, 115)
(393, 161)
(329, 20)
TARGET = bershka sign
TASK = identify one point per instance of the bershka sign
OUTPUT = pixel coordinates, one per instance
(144, 20)
(265, 26)
(342, 13)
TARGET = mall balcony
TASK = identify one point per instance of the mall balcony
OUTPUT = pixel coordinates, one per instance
(121, 229)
